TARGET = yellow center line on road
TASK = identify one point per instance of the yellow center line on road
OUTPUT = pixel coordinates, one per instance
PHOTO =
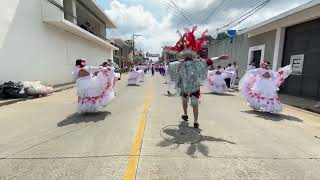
(136, 147)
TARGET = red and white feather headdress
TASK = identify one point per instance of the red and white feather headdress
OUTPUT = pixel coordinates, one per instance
(188, 44)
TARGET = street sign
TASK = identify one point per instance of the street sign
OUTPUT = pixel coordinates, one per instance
(296, 62)
(152, 55)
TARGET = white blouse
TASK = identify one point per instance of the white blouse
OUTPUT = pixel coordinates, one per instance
(89, 69)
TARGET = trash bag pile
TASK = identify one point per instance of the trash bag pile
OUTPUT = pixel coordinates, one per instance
(36, 88)
(13, 90)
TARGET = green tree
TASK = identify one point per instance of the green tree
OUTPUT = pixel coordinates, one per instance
(209, 38)
(137, 59)
(222, 36)
(130, 44)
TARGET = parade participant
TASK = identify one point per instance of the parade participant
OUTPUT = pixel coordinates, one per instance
(234, 73)
(259, 88)
(94, 92)
(216, 81)
(191, 71)
(229, 73)
(141, 74)
(116, 75)
(251, 66)
(172, 76)
(133, 77)
(152, 70)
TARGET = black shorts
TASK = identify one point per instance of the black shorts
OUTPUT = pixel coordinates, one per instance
(195, 94)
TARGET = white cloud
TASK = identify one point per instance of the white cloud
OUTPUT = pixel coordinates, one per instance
(137, 20)
(134, 16)
(158, 32)
(194, 4)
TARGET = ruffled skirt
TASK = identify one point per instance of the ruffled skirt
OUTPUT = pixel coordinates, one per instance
(141, 75)
(133, 78)
(261, 94)
(216, 84)
(94, 92)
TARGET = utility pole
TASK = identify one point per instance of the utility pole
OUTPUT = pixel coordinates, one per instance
(134, 35)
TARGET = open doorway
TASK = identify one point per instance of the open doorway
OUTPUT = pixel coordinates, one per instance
(256, 54)
(256, 57)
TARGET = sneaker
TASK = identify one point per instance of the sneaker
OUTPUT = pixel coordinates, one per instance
(185, 118)
(196, 125)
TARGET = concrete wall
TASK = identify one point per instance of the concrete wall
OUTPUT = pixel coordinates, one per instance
(238, 51)
(33, 50)
(267, 39)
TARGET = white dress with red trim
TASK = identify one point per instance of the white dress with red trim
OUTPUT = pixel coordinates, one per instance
(94, 92)
(261, 92)
(172, 76)
(133, 77)
(141, 75)
(216, 81)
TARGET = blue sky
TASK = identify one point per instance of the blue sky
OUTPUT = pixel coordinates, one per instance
(158, 20)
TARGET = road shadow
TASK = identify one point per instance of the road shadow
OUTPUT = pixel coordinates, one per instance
(194, 145)
(84, 118)
(133, 85)
(225, 94)
(202, 148)
(273, 117)
(170, 95)
(233, 90)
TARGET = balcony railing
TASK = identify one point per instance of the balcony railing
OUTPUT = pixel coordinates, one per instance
(70, 14)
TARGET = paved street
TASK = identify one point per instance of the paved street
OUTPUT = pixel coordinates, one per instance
(45, 139)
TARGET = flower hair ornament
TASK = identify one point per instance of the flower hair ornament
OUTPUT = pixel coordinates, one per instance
(80, 63)
(265, 65)
(188, 45)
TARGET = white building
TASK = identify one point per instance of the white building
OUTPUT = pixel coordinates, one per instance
(41, 39)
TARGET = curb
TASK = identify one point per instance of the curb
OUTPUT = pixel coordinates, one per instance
(303, 109)
(13, 101)
(64, 88)
(8, 102)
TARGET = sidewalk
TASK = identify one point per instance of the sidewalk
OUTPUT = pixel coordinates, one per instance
(299, 102)
(57, 88)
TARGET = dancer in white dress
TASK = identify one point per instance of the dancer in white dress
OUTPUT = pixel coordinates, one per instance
(133, 77)
(216, 81)
(94, 86)
(141, 74)
(251, 66)
(171, 75)
(259, 88)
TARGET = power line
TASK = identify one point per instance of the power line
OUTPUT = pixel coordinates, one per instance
(252, 10)
(255, 4)
(181, 12)
(245, 16)
(213, 11)
(251, 7)
(172, 6)
(267, 2)
(172, 11)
